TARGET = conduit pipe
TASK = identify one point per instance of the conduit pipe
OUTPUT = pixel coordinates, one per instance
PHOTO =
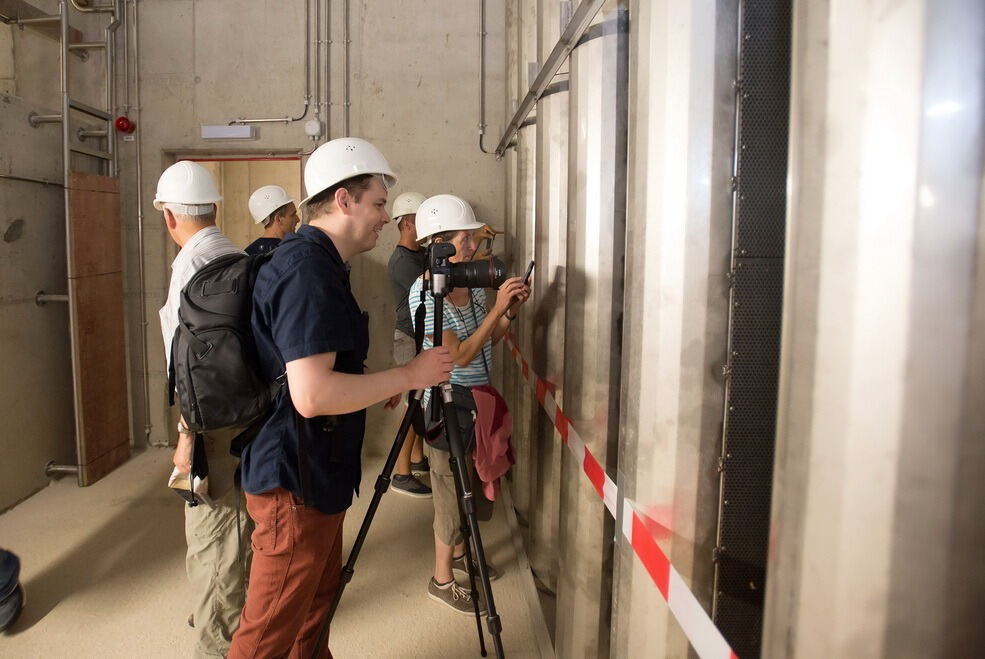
(345, 44)
(307, 75)
(109, 34)
(126, 55)
(140, 222)
(580, 21)
(328, 70)
(482, 75)
(317, 45)
(28, 179)
(95, 8)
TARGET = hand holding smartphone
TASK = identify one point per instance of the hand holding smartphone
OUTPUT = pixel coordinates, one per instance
(526, 277)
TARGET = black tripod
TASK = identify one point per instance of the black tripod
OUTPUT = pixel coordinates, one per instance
(470, 524)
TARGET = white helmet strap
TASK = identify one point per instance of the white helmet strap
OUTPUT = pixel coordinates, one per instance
(193, 210)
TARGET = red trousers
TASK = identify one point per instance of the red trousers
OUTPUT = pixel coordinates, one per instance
(297, 563)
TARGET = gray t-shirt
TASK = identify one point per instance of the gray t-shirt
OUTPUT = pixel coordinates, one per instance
(405, 267)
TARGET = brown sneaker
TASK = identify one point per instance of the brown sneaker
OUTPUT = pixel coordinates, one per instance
(454, 597)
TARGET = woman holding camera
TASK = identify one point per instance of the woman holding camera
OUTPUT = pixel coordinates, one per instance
(470, 328)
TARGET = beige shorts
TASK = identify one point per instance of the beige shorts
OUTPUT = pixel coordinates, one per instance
(447, 519)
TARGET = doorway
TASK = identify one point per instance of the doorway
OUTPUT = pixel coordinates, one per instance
(237, 178)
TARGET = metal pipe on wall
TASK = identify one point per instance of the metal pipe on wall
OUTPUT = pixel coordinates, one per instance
(307, 75)
(140, 222)
(328, 70)
(345, 43)
(94, 8)
(482, 75)
(109, 34)
(125, 17)
(317, 45)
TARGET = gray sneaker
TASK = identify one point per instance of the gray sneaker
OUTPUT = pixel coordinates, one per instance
(410, 486)
(420, 468)
(458, 567)
(454, 597)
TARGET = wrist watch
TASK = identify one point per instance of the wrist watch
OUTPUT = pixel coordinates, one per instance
(183, 430)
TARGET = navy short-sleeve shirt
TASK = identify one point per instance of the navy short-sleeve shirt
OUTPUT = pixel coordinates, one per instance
(303, 306)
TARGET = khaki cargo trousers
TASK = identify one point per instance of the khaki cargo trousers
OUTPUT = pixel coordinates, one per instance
(215, 571)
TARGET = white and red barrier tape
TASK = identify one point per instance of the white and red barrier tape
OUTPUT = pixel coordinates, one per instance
(704, 637)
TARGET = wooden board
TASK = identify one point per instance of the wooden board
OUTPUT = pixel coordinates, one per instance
(100, 345)
(95, 203)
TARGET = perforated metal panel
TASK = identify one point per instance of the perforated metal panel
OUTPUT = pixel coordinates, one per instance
(763, 128)
(755, 318)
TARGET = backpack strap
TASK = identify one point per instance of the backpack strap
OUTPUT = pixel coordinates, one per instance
(172, 379)
(304, 472)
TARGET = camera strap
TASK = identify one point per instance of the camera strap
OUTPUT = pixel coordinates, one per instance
(482, 349)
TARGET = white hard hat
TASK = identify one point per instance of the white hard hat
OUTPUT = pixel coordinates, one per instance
(444, 212)
(186, 182)
(266, 200)
(341, 159)
(406, 204)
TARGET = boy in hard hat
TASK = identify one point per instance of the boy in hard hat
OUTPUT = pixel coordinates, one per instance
(406, 265)
(300, 471)
(187, 196)
(272, 207)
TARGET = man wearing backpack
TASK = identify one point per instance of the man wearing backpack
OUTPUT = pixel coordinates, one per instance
(187, 195)
(307, 323)
(271, 206)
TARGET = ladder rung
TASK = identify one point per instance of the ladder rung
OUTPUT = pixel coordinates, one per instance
(86, 45)
(95, 153)
(89, 110)
(36, 119)
(40, 19)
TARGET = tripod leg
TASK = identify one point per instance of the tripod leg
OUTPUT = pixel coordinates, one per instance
(466, 543)
(382, 483)
(468, 507)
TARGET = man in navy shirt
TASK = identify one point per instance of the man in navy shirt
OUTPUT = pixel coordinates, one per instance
(272, 207)
(308, 325)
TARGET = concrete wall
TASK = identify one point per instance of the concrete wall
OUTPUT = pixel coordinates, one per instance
(36, 382)
(414, 93)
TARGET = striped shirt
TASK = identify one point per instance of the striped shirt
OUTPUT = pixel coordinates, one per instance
(464, 322)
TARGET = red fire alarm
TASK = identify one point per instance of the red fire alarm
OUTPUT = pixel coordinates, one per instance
(124, 125)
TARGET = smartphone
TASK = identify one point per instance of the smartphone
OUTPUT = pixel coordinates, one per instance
(526, 277)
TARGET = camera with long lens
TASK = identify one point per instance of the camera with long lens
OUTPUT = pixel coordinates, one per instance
(445, 275)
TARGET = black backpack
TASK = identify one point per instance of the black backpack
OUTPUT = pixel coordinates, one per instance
(215, 370)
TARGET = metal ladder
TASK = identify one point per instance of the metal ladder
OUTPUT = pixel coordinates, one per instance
(107, 157)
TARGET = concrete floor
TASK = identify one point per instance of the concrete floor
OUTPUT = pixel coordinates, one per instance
(103, 568)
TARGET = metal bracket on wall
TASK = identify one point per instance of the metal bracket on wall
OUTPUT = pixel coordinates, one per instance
(42, 298)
